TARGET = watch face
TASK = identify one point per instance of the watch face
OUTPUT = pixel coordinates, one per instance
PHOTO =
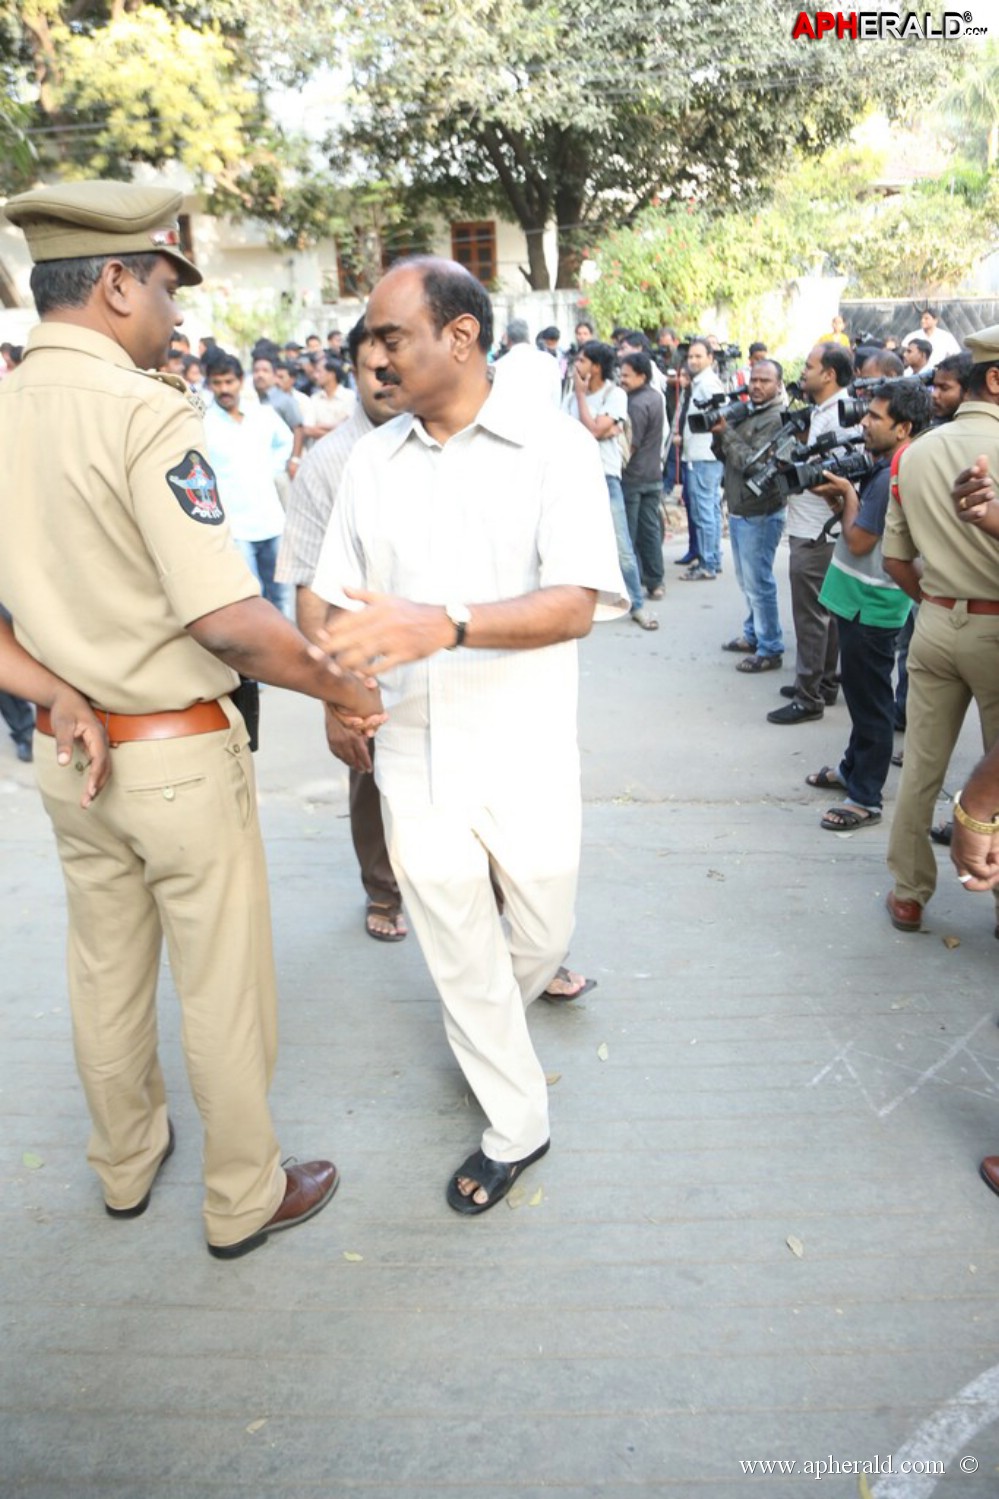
(458, 614)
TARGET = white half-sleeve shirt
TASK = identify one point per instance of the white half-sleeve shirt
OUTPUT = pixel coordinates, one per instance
(514, 503)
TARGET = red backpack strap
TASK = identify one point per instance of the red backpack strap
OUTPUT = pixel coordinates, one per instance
(893, 474)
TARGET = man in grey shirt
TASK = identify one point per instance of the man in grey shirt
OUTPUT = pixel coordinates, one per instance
(641, 478)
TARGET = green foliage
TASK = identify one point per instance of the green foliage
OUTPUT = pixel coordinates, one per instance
(580, 112)
(678, 264)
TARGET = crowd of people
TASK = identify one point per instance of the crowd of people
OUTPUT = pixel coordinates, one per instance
(451, 517)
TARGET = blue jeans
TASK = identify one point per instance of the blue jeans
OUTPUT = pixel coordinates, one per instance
(704, 476)
(261, 558)
(625, 550)
(755, 539)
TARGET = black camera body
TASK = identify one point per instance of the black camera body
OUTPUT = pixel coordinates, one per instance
(797, 477)
(715, 408)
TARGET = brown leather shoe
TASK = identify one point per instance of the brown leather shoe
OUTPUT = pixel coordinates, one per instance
(308, 1188)
(906, 915)
(140, 1207)
(989, 1172)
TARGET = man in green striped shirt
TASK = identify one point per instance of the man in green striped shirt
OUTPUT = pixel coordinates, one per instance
(870, 608)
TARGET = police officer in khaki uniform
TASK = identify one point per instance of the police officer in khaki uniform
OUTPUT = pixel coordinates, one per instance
(954, 656)
(118, 568)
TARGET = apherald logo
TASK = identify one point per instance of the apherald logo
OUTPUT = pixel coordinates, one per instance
(879, 25)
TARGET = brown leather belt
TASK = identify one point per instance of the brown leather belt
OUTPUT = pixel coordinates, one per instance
(125, 728)
(975, 606)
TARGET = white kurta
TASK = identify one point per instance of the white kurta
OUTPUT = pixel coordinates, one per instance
(478, 763)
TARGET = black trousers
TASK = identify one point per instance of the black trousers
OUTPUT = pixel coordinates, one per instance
(867, 659)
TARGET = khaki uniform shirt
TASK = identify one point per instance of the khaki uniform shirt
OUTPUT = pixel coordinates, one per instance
(113, 536)
(959, 560)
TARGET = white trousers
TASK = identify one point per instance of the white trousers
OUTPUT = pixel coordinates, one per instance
(488, 970)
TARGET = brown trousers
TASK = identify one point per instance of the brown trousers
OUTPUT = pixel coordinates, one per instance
(368, 833)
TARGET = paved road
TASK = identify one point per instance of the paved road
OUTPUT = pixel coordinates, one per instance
(760, 1233)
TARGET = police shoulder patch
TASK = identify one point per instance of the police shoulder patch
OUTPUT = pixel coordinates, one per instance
(196, 490)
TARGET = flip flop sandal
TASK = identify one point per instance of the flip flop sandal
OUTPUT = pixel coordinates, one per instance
(496, 1177)
(555, 998)
(825, 779)
(756, 663)
(847, 819)
(741, 645)
(941, 832)
(387, 915)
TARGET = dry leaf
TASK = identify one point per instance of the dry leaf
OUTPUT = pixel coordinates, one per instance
(603, 1051)
(795, 1245)
(715, 874)
(31, 1160)
(516, 1197)
(255, 1426)
(355, 1259)
(951, 942)
(551, 1078)
(537, 1199)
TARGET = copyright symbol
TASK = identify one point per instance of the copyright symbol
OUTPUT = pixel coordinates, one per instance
(968, 1465)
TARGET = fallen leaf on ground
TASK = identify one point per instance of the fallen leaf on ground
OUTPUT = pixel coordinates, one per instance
(795, 1245)
(537, 1199)
(256, 1425)
(715, 874)
(515, 1198)
(951, 942)
(551, 1078)
(603, 1051)
(31, 1160)
(355, 1259)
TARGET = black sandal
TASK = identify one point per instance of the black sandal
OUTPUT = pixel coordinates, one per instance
(495, 1177)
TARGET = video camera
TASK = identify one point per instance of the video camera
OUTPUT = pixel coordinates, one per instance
(719, 407)
(863, 390)
(768, 460)
(800, 476)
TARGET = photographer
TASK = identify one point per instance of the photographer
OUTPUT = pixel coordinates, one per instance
(704, 470)
(869, 606)
(828, 370)
(756, 522)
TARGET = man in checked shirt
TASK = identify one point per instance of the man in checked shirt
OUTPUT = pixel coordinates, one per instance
(310, 505)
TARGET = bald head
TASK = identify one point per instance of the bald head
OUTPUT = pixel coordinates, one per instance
(450, 292)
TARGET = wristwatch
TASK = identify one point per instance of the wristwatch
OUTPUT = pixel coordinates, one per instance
(461, 617)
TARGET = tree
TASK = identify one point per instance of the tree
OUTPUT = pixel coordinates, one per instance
(970, 106)
(680, 262)
(578, 112)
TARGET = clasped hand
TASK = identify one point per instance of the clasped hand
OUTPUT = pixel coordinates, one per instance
(386, 633)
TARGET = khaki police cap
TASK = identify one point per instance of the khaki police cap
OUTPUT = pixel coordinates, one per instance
(75, 219)
(983, 346)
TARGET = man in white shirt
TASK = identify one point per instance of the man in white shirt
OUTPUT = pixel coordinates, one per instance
(704, 469)
(248, 446)
(332, 403)
(475, 534)
(828, 371)
(602, 408)
(531, 375)
(941, 342)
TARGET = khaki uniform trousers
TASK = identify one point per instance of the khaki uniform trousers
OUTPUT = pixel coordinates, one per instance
(488, 969)
(953, 658)
(172, 847)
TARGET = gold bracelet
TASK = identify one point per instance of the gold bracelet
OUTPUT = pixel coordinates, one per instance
(972, 823)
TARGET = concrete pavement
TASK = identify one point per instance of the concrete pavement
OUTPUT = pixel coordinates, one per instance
(759, 1235)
